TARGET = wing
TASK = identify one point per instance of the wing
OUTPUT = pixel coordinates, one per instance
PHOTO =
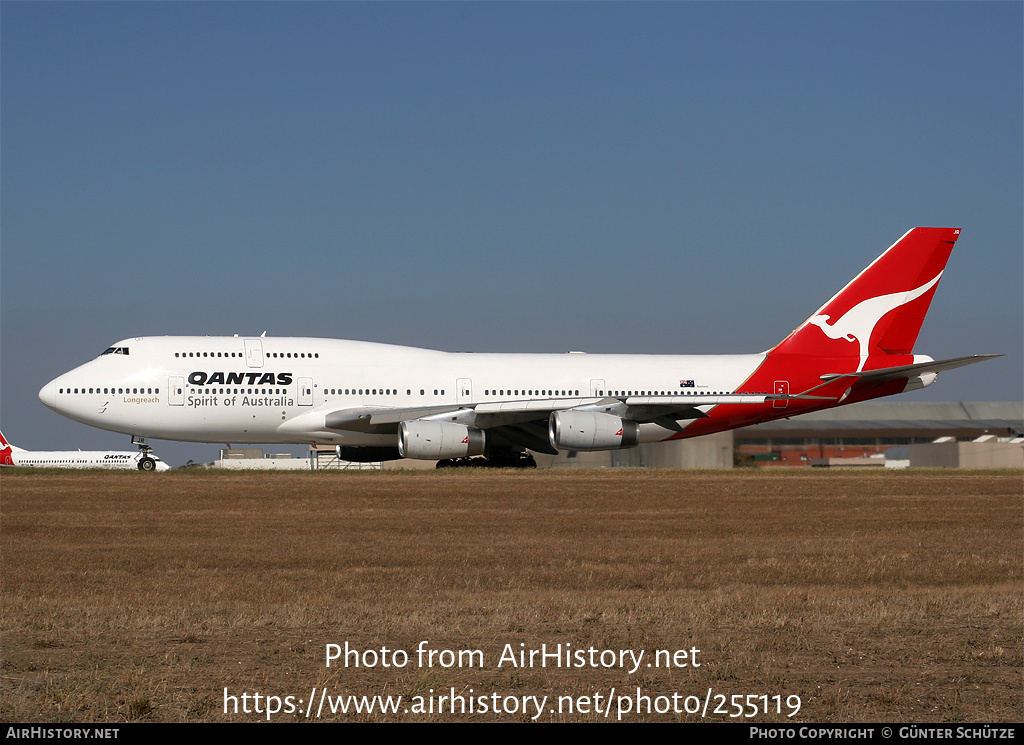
(524, 423)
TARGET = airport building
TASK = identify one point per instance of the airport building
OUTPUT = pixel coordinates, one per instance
(870, 434)
(919, 435)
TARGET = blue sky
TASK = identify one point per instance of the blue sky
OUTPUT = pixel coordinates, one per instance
(613, 177)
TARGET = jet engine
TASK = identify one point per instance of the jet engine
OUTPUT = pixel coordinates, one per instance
(437, 440)
(582, 430)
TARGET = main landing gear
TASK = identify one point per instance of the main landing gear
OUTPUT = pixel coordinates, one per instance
(495, 460)
(145, 462)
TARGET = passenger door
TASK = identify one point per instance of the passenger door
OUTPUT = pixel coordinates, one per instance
(305, 391)
(176, 390)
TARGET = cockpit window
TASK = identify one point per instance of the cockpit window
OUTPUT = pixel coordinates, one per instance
(116, 350)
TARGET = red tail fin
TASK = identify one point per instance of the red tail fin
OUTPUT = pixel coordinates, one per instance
(881, 311)
(5, 452)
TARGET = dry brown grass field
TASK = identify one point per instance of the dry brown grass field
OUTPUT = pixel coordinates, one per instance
(892, 596)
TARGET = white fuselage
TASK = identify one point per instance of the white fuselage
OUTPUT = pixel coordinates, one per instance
(80, 459)
(279, 390)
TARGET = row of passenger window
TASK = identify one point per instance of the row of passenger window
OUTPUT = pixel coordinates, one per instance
(376, 391)
(663, 393)
(276, 355)
(528, 392)
(43, 461)
(508, 392)
(525, 392)
(388, 392)
(144, 391)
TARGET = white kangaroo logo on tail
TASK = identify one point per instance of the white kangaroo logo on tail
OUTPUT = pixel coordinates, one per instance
(858, 323)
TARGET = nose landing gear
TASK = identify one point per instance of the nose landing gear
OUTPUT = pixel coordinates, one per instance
(145, 462)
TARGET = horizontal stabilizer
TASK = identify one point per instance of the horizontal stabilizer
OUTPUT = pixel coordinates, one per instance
(907, 371)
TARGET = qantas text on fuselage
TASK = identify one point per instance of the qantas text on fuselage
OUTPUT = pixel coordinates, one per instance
(379, 401)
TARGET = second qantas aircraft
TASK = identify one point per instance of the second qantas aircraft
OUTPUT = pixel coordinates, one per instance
(11, 455)
(380, 402)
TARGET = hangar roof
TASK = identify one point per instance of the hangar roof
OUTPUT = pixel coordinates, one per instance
(995, 416)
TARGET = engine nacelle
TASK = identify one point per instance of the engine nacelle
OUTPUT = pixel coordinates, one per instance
(437, 440)
(583, 430)
(921, 381)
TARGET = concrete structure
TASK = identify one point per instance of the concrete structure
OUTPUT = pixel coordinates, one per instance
(712, 451)
(253, 459)
(264, 464)
(989, 454)
(906, 432)
(869, 461)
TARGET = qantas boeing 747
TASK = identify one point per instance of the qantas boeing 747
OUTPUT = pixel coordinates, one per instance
(381, 402)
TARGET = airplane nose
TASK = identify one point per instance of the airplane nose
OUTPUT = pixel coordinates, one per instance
(48, 394)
